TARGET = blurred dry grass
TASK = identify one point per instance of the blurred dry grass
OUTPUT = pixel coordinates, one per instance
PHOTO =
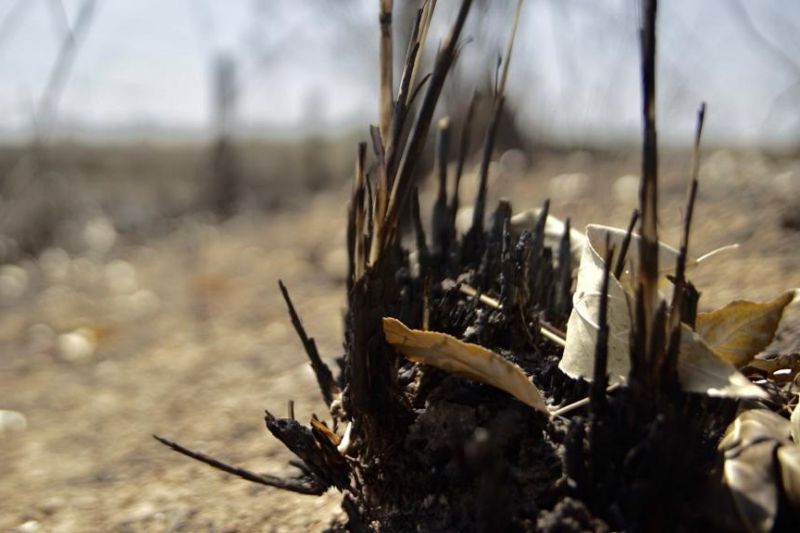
(143, 187)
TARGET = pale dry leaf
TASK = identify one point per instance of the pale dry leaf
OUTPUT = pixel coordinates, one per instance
(795, 424)
(578, 359)
(749, 470)
(741, 329)
(752, 482)
(751, 427)
(789, 460)
(463, 358)
(699, 370)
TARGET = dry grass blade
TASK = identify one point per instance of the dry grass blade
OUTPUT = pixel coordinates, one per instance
(517, 15)
(425, 23)
(491, 133)
(403, 183)
(443, 231)
(463, 151)
(463, 358)
(394, 143)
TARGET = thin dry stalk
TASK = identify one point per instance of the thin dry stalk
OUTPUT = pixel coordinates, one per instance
(677, 307)
(600, 381)
(359, 214)
(463, 152)
(394, 144)
(442, 230)
(491, 133)
(425, 23)
(403, 183)
(386, 68)
(648, 192)
(626, 242)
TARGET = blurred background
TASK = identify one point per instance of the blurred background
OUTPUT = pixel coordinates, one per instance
(130, 100)
(164, 162)
(125, 98)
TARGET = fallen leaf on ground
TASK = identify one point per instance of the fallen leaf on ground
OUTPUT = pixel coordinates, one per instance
(463, 358)
(741, 329)
(699, 369)
(789, 459)
(749, 470)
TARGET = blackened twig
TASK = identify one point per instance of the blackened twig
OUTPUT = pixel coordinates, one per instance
(600, 378)
(648, 193)
(441, 230)
(419, 231)
(678, 310)
(304, 484)
(626, 242)
(564, 295)
(386, 67)
(324, 376)
(463, 152)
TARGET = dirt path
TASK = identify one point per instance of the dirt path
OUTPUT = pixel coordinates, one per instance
(187, 337)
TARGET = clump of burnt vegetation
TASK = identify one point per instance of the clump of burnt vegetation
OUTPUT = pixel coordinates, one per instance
(414, 447)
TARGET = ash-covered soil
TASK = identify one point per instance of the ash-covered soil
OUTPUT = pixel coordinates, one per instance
(186, 335)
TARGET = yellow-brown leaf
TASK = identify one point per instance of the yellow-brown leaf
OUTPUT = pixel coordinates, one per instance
(463, 358)
(741, 329)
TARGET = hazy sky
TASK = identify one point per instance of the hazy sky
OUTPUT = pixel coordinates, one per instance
(145, 64)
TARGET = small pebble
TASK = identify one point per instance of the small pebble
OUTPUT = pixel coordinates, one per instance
(569, 186)
(78, 345)
(31, 526)
(12, 422)
(13, 283)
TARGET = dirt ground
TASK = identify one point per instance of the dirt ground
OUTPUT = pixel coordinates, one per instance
(186, 336)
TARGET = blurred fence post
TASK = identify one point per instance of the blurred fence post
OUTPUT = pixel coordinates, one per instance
(226, 182)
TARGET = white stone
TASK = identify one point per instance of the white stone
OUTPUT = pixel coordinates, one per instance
(78, 345)
(12, 421)
(13, 283)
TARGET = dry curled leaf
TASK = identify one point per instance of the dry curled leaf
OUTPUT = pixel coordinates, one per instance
(789, 459)
(749, 470)
(463, 358)
(741, 329)
(699, 369)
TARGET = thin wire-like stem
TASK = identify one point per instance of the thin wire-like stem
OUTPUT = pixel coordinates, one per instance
(305, 485)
